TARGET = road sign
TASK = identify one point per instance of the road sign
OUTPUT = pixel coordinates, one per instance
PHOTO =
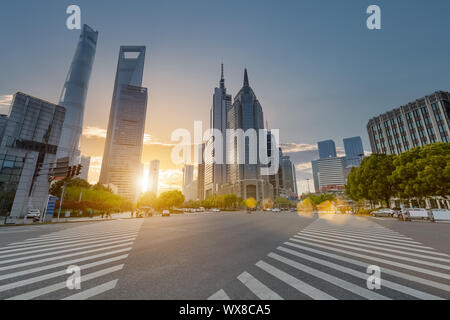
(50, 209)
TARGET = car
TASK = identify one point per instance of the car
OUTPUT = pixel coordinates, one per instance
(384, 212)
(166, 213)
(34, 214)
(215, 210)
(276, 210)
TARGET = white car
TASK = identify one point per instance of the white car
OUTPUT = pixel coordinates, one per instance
(215, 210)
(34, 214)
(410, 214)
(276, 210)
(440, 214)
(166, 213)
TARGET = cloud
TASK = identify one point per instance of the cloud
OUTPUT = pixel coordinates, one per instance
(5, 103)
(297, 147)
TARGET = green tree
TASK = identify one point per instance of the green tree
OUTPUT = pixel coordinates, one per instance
(148, 199)
(170, 199)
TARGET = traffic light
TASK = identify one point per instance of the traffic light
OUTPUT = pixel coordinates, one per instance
(74, 171)
(60, 171)
(69, 172)
(78, 170)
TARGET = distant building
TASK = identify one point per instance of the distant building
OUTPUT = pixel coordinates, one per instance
(121, 164)
(190, 187)
(424, 121)
(73, 96)
(315, 170)
(153, 176)
(29, 140)
(86, 163)
(245, 180)
(327, 149)
(331, 174)
(354, 151)
(201, 173)
(216, 171)
(288, 177)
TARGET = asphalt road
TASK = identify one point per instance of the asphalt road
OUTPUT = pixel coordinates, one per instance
(234, 256)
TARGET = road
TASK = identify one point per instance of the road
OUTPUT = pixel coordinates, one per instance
(223, 256)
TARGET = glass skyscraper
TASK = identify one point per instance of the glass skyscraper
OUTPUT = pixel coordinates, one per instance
(121, 165)
(354, 151)
(327, 149)
(73, 96)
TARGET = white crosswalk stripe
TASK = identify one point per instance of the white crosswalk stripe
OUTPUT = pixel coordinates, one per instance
(36, 268)
(329, 260)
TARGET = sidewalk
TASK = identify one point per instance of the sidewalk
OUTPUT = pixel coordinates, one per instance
(114, 216)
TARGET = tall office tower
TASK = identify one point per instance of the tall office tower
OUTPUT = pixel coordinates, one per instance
(331, 174)
(288, 176)
(121, 165)
(217, 171)
(354, 151)
(85, 163)
(73, 96)
(245, 179)
(327, 149)
(201, 173)
(424, 121)
(188, 175)
(28, 146)
(190, 186)
(153, 176)
(315, 170)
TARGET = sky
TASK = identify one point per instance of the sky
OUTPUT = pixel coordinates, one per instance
(317, 70)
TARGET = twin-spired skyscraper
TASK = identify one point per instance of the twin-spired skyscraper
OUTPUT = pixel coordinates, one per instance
(121, 164)
(73, 96)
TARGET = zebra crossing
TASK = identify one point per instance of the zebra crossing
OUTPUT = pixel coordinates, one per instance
(36, 268)
(329, 260)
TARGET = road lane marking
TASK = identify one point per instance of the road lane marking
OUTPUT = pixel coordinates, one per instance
(386, 283)
(427, 263)
(360, 291)
(62, 285)
(219, 295)
(368, 234)
(371, 258)
(92, 292)
(63, 257)
(59, 273)
(378, 246)
(258, 288)
(301, 286)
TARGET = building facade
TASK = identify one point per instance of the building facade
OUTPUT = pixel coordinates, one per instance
(153, 176)
(121, 164)
(327, 149)
(331, 174)
(424, 121)
(201, 173)
(73, 96)
(85, 163)
(354, 151)
(245, 179)
(216, 170)
(28, 146)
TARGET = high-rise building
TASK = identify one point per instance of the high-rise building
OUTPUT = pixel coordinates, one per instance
(327, 149)
(121, 164)
(216, 170)
(288, 176)
(190, 186)
(85, 163)
(28, 146)
(315, 171)
(354, 151)
(424, 121)
(153, 176)
(245, 179)
(73, 96)
(331, 174)
(201, 173)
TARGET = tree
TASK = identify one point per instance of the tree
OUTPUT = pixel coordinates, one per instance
(148, 199)
(282, 202)
(170, 199)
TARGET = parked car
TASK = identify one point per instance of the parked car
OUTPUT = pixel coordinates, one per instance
(276, 210)
(166, 213)
(34, 214)
(409, 214)
(440, 214)
(384, 212)
(215, 210)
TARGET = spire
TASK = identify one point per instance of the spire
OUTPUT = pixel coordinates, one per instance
(246, 83)
(222, 80)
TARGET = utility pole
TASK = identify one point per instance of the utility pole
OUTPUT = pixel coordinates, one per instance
(62, 199)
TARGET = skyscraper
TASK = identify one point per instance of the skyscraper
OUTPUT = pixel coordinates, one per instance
(216, 173)
(73, 96)
(245, 179)
(327, 149)
(201, 173)
(86, 163)
(153, 176)
(28, 146)
(121, 164)
(354, 151)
